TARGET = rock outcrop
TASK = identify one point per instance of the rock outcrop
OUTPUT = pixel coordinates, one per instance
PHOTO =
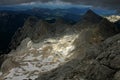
(107, 65)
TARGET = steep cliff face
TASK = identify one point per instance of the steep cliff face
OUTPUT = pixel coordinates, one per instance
(60, 51)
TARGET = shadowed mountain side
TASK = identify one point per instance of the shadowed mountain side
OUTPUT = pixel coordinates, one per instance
(9, 23)
(91, 16)
(118, 25)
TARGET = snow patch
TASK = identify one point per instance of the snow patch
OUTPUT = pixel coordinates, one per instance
(41, 57)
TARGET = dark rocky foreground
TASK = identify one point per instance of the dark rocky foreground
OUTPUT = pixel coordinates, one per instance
(96, 55)
(106, 66)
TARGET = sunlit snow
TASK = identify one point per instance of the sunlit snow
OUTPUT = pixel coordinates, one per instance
(41, 57)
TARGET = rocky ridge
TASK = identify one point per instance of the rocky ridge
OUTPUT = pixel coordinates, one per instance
(61, 51)
(106, 65)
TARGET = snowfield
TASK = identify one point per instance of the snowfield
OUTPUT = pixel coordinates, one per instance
(31, 59)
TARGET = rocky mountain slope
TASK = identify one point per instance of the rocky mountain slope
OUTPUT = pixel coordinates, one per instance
(106, 66)
(60, 51)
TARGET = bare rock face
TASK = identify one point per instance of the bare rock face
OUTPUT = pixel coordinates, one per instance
(117, 76)
(107, 64)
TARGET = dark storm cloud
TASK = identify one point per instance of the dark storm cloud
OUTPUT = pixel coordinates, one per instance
(113, 4)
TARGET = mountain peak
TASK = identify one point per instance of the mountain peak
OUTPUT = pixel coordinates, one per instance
(91, 16)
(90, 12)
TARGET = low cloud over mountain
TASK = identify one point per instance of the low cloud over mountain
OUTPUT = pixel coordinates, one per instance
(112, 4)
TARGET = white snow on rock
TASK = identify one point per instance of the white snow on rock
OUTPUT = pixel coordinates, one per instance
(113, 18)
(41, 57)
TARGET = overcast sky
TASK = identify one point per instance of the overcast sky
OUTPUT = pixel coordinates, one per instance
(111, 4)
